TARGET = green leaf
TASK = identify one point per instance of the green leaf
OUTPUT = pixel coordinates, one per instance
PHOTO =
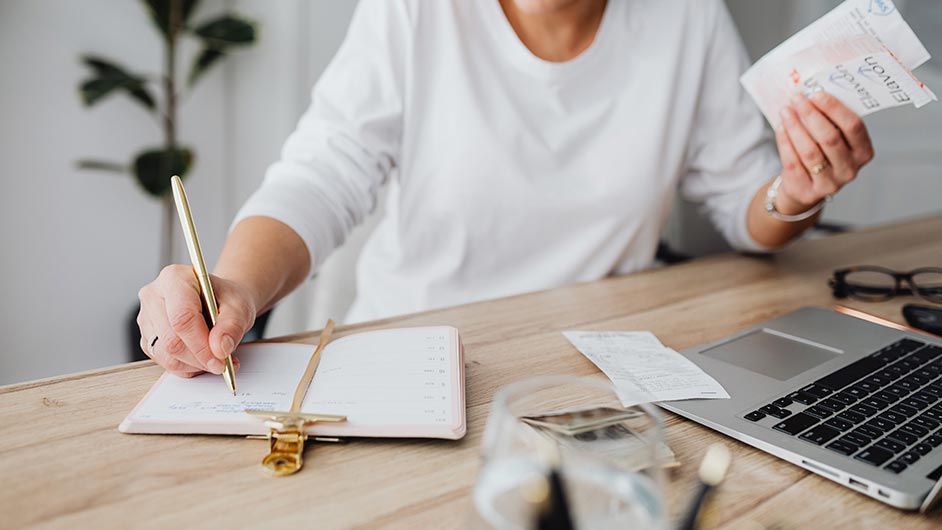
(159, 11)
(227, 30)
(108, 77)
(218, 36)
(154, 167)
(102, 165)
(206, 58)
(93, 90)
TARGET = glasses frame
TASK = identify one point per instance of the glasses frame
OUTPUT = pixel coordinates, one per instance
(842, 289)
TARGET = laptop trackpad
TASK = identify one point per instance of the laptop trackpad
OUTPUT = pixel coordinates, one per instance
(773, 353)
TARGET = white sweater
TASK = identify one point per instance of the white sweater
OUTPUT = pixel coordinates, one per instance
(508, 173)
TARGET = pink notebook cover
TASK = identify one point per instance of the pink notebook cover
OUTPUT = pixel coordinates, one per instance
(202, 405)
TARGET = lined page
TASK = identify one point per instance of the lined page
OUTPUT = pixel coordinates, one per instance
(392, 377)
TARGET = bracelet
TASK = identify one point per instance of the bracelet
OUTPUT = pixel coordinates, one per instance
(772, 192)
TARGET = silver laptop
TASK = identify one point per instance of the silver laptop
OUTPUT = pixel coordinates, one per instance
(850, 400)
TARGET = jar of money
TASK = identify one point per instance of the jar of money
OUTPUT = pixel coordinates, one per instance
(564, 452)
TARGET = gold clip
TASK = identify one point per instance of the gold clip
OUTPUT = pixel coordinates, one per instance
(286, 438)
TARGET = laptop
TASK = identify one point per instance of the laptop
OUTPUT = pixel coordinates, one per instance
(853, 401)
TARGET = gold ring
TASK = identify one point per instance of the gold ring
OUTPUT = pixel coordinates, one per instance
(818, 169)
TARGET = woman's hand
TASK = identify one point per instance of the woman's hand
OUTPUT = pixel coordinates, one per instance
(171, 319)
(822, 144)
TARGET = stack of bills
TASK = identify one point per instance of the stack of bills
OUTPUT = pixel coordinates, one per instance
(604, 433)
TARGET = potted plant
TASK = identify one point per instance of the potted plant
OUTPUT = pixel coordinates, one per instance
(160, 94)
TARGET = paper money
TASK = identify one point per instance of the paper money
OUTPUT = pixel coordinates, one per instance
(578, 421)
(611, 441)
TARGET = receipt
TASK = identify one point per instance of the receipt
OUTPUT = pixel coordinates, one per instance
(862, 52)
(644, 370)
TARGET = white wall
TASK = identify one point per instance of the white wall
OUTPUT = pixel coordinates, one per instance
(78, 245)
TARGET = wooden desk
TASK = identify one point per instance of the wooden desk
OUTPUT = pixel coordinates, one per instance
(63, 463)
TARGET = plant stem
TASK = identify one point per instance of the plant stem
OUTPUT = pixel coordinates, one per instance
(170, 124)
(170, 79)
(167, 242)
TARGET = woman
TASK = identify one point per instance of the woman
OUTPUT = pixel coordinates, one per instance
(526, 144)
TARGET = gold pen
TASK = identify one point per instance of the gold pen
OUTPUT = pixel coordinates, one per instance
(199, 267)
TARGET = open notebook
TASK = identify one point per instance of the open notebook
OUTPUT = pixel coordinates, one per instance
(402, 383)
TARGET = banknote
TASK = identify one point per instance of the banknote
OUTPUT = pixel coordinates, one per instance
(604, 433)
(572, 422)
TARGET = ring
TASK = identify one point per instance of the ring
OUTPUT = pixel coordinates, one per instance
(818, 169)
(151, 347)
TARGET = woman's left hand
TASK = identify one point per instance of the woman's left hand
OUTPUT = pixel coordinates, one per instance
(822, 144)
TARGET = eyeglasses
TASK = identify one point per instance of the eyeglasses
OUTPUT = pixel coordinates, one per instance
(876, 284)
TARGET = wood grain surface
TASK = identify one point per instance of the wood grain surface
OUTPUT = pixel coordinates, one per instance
(63, 463)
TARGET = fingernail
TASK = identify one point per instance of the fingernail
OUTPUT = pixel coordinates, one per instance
(215, 366)
(787, 114)
(818, 95)
(798, 99)
(227, 344)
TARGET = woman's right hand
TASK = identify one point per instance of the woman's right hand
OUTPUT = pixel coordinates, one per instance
(172, 314)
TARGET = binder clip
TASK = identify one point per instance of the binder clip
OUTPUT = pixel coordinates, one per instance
(286, 438)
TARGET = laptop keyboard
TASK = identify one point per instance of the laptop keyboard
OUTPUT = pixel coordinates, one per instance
(884, 409)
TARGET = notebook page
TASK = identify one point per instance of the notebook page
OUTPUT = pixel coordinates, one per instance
(399, 377)
(266, 380)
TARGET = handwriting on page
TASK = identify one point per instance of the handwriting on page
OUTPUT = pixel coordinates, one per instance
(267, 377)
(644, 370)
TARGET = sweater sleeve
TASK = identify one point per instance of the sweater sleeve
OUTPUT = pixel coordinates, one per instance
(347, 142)
(731, 154)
